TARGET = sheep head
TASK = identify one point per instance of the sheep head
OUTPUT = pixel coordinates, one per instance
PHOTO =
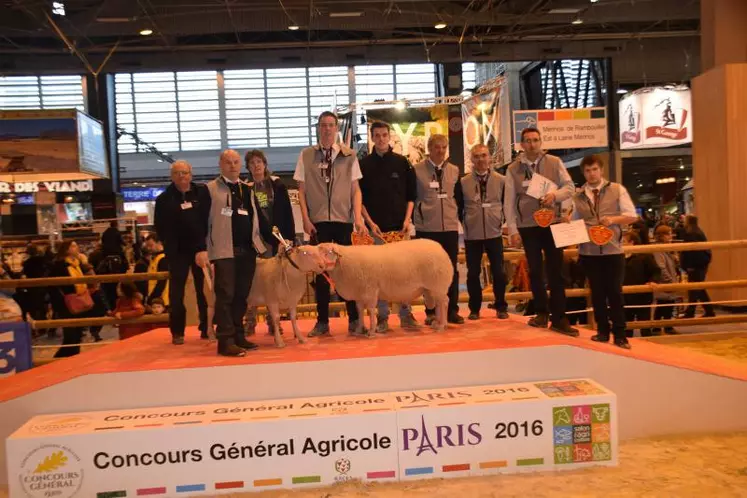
(308, 258)
(330, 254)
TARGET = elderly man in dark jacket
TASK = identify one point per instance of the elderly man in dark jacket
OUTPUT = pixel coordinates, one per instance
(696, 263)
(180, 227)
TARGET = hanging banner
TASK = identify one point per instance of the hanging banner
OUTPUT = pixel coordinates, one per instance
(411, 128)
(485, 120)
(15, 342)
(655, 117)
(564, 128)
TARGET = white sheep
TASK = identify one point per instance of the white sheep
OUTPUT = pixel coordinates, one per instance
(397, 272)
(280, 282)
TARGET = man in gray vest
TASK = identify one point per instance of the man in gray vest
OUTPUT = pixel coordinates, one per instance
(520, 210)
(435, 215)
(235, 234)
(604, 204)
(330, 199)
(481, 214)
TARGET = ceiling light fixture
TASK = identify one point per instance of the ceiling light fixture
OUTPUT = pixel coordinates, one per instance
(621, 91)
(594, 1)
(440, 25)
(293, 27)
(358, 13)
(58, 8)
(146, 32)
(400, 105)
(577, 21)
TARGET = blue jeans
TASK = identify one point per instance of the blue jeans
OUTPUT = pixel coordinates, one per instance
(383, 306)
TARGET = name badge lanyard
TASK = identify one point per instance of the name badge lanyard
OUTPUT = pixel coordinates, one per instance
(482, 188)
(529, 173)
(232, 196)
(438, 177)
(327, 172)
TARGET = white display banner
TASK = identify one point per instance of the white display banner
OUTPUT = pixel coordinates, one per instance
(564, 128)
(239, 447)
(655, 117)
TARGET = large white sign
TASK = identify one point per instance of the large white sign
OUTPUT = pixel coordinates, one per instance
(296, 443)
(655, 117)
(564, 128)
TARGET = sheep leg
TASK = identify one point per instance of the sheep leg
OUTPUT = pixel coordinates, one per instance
(274, 310)
(293, 314)
(440, 323)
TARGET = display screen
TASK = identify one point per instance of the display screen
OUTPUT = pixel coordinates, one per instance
(92, 156)
(74, 211)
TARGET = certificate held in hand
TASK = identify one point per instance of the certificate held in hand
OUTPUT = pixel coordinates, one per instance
(569, 234)
(540, 186)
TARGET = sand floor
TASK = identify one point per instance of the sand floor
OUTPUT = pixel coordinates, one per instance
(702, 466)
(734, 348)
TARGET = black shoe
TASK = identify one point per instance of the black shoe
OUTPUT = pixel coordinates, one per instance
(600, 338)
(430, 319)
(502, 315)
(539, 321)
(177, 340)
(228, 348)
(455, 319)
(563, 327)
(204, 335)
(241, 342)
(473, 316)
(622, 343)
(671, 331)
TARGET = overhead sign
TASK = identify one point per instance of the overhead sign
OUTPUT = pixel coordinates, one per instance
(655, 117)
(33, 187)
(297, 443)
(564, 128)
(141, 194)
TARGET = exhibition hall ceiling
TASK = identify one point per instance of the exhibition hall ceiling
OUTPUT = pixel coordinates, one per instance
(26, 26)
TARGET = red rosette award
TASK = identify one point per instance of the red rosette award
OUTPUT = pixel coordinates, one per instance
(544, 217)
(600, 235)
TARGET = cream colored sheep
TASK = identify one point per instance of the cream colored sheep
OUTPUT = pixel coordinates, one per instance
(278, 284)
(397, 272)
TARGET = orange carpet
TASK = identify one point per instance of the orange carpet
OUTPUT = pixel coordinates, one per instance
(154, 351)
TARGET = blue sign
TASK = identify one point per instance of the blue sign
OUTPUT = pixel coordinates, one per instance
(15, 348)
(141, 194)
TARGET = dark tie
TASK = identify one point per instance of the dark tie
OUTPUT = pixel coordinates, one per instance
(595, 192)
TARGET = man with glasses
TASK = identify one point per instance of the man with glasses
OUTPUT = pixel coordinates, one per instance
(331, 201)
(529, 220)
(179, 228)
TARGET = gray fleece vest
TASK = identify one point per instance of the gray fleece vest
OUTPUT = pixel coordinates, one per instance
(483, 214)
(220, 235)
(608, 205)
(436, 208)
(333, 200)
(525, 206)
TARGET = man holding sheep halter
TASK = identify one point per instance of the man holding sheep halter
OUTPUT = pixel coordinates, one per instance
(330, 197)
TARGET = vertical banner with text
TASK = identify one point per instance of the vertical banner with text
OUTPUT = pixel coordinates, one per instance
(486, 120)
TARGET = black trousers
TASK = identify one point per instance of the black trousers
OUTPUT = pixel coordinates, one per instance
(537, 240)
(606, 274)
(638, 314)
(473, 251)
(450, 242)
(74, 335)
(664, 312)
(179, 267)
(339, 233)
(233, 281)
(699, 295)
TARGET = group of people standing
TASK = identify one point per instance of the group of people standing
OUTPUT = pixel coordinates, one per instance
(225, 226)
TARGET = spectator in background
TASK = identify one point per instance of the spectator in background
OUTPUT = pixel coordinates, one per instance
(99, 306)
(274, 204)
(679, 228)
(113, 262)
(696, 263)
(141, 266)
(669, 275)
(129, 305)
(574, 278)
(35, 266)
(640, 269)
(640, 228)
(158, 262)
(67, 264)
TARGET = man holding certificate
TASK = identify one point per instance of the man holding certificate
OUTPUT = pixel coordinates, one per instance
(537, 184)
(604, 207)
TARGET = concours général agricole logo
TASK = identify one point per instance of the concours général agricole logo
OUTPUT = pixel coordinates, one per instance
(51, 471)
